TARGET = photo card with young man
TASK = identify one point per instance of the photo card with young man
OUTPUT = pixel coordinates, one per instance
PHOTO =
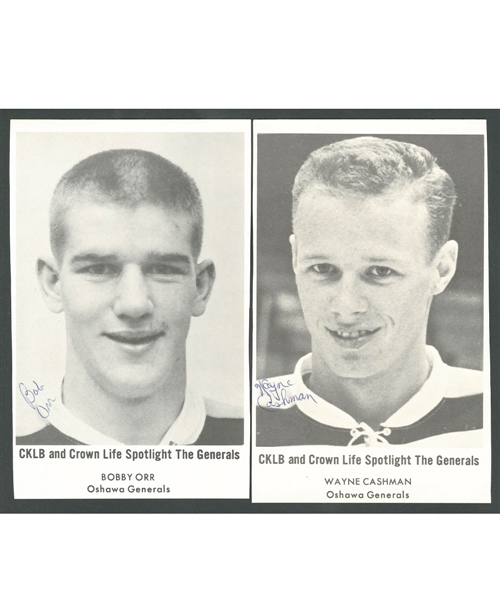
(130, 302)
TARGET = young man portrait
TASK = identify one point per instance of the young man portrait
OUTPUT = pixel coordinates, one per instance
(370, 250)
(126, 232)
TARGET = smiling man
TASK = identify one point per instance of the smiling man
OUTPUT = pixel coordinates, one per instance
(126, 234)
(371, 248)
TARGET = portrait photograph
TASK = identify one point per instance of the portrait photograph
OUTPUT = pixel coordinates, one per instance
(369, 287)
(130, 290)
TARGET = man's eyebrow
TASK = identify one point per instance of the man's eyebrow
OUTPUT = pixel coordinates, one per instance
(93, 257)
(370, 259)
(169, 257)
(381, 259)
(150, 257)
(316, 257)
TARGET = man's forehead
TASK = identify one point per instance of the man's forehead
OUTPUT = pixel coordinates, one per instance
(85, 203)
(402, 203)
(377, 226)
(101, 225)
(109, 212)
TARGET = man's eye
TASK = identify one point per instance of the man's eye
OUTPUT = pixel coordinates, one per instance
(381, 272)
(165, 270)
(100, 269)
(323, 269)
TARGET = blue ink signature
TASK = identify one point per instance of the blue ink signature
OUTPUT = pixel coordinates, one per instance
(30, 395)
(275, 395)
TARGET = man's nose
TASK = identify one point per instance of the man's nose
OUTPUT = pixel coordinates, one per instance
(348, 298)
(132, 294)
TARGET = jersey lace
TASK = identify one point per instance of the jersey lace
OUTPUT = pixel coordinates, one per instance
(370, 436)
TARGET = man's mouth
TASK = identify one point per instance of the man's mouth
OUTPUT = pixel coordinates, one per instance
(134, 338)
(352, 338)
(352, 335)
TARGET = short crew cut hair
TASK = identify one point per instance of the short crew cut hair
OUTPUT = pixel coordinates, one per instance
(370, 166)
(127, 178)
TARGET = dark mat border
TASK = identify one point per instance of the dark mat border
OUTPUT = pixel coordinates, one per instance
(7, 502)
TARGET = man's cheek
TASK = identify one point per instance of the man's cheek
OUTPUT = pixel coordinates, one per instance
(410, 309)
(308, 294)
(313, 311)
(82, 313)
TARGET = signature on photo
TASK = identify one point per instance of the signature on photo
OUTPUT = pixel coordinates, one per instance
(30, 395)
(275, 395)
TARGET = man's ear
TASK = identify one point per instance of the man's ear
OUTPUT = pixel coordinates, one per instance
(50, 284)
(293, 243)
(446, 265)
(205, 277)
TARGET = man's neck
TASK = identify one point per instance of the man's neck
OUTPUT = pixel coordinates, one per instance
(140, 420)
(372, 400)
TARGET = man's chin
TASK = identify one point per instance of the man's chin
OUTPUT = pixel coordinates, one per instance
(134, 387)
(352, 365)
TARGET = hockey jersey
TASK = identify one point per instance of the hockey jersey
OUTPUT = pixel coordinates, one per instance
(446, 412)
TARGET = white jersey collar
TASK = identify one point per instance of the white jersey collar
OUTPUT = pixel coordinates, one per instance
(185, 430)
(427, 398)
